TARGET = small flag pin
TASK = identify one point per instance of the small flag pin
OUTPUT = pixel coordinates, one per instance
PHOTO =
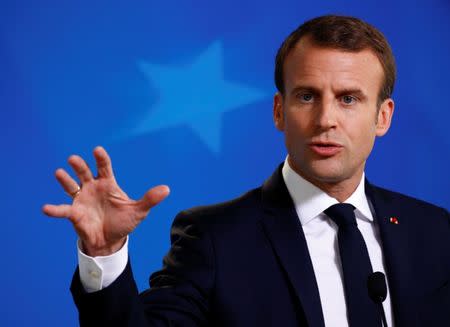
(393, 220)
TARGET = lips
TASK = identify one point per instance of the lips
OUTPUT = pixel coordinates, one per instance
(325, 149)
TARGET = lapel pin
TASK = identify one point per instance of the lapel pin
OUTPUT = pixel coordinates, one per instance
(393, 220)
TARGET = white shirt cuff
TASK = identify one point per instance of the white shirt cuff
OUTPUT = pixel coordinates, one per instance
(99, 272)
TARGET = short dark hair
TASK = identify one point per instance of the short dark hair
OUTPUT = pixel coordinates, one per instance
(345, 33)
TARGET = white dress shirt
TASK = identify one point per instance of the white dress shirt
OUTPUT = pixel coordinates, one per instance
(321, 238)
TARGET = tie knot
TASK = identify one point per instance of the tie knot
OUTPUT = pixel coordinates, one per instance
(343, 214)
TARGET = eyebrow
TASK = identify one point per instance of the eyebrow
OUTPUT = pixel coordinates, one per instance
(352, 91)
(305, 89)
(344, 91)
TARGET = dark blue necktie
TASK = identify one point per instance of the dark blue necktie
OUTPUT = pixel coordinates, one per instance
(361, 310)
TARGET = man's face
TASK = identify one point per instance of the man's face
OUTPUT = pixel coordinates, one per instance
(329, 111)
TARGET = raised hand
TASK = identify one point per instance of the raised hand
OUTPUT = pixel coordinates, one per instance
(101, 213)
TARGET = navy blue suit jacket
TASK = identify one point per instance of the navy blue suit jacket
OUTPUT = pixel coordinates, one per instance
(246, 263)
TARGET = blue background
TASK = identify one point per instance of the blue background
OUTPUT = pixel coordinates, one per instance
(178, 93)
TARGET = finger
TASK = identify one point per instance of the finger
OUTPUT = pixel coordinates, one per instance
(67, 182)
(153, 197)
(59, 211)
(104, 167)
(81, 168)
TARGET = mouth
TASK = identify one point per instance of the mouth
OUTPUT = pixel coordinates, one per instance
(325, 149)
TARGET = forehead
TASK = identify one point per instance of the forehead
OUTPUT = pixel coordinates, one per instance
(321, 66)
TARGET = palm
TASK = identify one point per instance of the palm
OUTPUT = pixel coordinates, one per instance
(101, 213)
(104, 212)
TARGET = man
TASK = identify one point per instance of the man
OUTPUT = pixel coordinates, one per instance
(297, 251)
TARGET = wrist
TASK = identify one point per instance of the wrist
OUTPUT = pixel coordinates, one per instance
(102, 251)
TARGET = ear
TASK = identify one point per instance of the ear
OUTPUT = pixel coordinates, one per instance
(278, 112)
(385, 117)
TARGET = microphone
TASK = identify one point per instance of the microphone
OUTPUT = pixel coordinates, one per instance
(376, 285)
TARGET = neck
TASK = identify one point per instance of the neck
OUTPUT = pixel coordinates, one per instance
(341, 190)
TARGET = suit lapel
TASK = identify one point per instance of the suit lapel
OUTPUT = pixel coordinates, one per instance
(397, 252)
(282, 227)
(284, 231)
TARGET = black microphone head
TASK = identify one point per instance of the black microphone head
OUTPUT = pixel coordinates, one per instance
(376, 285)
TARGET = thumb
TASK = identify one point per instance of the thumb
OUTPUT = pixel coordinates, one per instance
(153, 196)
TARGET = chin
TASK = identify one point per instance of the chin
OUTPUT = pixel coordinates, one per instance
(329, 176)
(322, 171)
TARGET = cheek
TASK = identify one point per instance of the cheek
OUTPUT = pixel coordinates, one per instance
(297, 123)
(364, 139)
(295, 132)
(359, 134)
(362, 126)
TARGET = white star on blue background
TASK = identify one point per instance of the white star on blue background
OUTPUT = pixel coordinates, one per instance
(195, 95)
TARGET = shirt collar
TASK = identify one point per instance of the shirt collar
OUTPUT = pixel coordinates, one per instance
(310, 201)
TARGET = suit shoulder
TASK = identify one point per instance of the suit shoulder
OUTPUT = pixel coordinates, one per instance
(229, 210)
(410, 202)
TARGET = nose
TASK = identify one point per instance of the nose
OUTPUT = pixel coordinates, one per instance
(326, 114)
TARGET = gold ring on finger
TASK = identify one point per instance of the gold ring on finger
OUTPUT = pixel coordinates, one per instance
(75, 193)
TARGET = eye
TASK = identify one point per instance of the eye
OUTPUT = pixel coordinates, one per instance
(348, 99)
(305, 97)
